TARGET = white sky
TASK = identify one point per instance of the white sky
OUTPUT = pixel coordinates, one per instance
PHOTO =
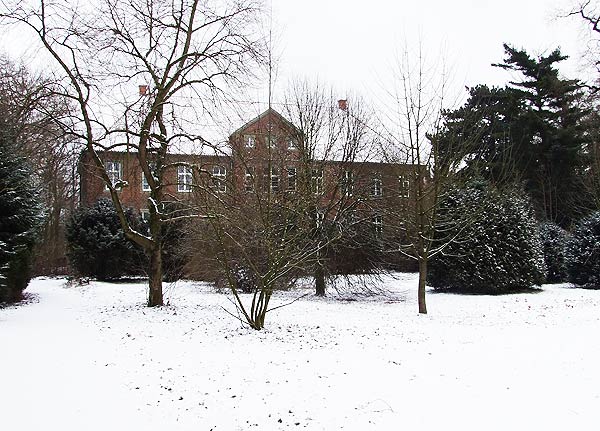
(352, 43)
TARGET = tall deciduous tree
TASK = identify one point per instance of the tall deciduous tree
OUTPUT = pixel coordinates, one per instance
(186, 55)
(417, 101)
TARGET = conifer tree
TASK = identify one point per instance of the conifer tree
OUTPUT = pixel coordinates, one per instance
(21, 215)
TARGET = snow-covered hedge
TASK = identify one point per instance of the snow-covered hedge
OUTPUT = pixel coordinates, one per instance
(496, 248)
(583, 252)
(554, 242)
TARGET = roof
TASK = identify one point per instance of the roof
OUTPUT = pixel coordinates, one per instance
(269, 111)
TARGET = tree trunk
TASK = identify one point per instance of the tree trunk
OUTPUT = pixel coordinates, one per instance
(422, 279)
(155, 294)
(319, 279)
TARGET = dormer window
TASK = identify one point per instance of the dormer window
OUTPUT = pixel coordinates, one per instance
(249, 141)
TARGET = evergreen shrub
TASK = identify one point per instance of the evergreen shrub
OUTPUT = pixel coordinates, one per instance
(96, 244)
(554, 242)
(583, 253)
(496, 248)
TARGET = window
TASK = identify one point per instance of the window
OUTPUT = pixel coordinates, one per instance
(274, 180)
(292, 179)
(114, 172)
(376, 188)
(378, 224)
(184, 179)
(317, 181)
(347, 183)
(249, 141)
(249, 180)
(292, 144)
(145, 215)
(404, 185)
(271, 142)
(319, 217)
(145, 185)
(219, 176)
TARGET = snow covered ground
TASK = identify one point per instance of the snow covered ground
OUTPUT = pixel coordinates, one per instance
(94, 358)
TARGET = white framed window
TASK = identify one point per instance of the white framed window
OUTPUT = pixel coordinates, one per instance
(145, 185)
(292, 179)
(114, 171)
(249, 180)
(219, 176)
(274, 180)
(292, 144)
(317, 181)
(319, 217)
(404, 186)
(378, 224)
(145, 215)
(376, 188)
(347, 183)
(272, 142)
(249, 141)
(184, 179)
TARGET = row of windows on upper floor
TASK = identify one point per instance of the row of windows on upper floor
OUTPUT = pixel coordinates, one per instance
(271, 180)
(250, 142)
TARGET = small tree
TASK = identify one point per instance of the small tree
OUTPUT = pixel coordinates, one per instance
(96, 243)
(21, 216)
(498, 251)
(583, 252)
(554, 241)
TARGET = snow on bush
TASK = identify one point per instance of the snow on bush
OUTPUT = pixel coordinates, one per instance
(495, 250)
(554, 241)
(20, 217)
(583, 253)
(96, 244)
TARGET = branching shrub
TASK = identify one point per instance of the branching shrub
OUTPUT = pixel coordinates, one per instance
(554, 242)
(583, 253)
(497, 251)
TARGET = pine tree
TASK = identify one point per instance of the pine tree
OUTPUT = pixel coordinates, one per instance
(529, 131)
(21, 216)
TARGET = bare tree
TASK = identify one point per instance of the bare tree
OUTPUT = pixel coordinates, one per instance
(337, 138)
(417, 102)
(184, 56)
(36, 111)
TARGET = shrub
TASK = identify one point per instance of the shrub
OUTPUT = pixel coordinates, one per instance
(554, 242)
(96, 244)
(19, 221)
(497, 250)
(583, 253)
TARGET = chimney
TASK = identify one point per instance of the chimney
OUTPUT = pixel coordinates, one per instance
(343, 104)
(143, 90)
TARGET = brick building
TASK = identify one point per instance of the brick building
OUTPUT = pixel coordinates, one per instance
(265, 156)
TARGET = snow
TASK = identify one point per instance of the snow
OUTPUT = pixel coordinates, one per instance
(94, 357)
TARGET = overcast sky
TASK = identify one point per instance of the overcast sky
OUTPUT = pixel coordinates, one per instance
(352, 43)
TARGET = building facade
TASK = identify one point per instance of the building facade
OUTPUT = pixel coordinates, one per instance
(266, 155)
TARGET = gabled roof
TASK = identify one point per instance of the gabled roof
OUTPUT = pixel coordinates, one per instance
(269, 111)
